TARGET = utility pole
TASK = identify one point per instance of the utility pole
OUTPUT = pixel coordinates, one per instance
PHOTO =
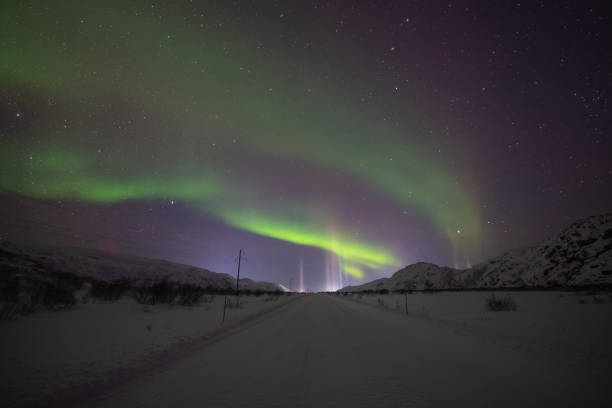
(238, 278)
(224, 307)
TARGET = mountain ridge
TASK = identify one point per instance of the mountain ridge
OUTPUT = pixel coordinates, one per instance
(579, 256)
(104, 266)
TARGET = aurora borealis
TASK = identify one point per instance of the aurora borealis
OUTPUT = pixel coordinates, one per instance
(375, 135)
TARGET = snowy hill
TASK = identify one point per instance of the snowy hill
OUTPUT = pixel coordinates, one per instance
(103, 266)
(581, 255)
(417, 276)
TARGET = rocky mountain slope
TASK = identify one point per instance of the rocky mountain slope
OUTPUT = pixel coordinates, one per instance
(580, 256)
(103, 266)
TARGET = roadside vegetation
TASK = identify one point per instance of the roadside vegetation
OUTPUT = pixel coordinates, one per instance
(24, 292)
(500, 304)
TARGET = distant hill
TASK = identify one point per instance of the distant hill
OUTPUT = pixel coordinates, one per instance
(90, 263)
(580, 256)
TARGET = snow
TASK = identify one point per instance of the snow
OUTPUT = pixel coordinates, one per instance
(569, 326)
(319, 350)
(49, 351)
(330, 351)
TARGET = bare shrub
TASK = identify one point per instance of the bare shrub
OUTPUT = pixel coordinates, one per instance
(8, 311)
(170, 293)
(230, 304)
(163, 292)
(208, 298)
(58, 295)
(142, 295)
(189, 295)
(109, 291)
(501, 304)
(24, 294)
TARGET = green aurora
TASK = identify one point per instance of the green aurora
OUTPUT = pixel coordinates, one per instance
(218, 88)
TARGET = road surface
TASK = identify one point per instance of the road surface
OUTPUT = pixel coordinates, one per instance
(325, 351)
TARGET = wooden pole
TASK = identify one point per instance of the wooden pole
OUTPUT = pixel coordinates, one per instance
(238, 278)
(224, 306)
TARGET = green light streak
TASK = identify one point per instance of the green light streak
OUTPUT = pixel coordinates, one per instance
(353, 271)
(61, 173)
(346, 249)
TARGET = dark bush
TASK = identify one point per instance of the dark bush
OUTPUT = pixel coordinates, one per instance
(171, 293)
(270, 298)
(503, 304)
(163, 292)
(58, 295)
(9, 289)
(109, 291)
(189, 295)
(8, 311)
(152, 294)
(142, 295)
(24, 294)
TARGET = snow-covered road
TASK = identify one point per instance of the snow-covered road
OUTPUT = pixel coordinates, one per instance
(322, 350)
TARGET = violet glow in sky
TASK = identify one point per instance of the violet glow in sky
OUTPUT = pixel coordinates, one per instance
(341, 139)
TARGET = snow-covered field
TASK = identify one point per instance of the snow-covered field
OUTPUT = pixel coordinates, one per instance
(52, 350)
(329, 351)
(575, 327)
(321, 350)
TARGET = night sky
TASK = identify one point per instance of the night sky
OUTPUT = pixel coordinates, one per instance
(346, 139)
